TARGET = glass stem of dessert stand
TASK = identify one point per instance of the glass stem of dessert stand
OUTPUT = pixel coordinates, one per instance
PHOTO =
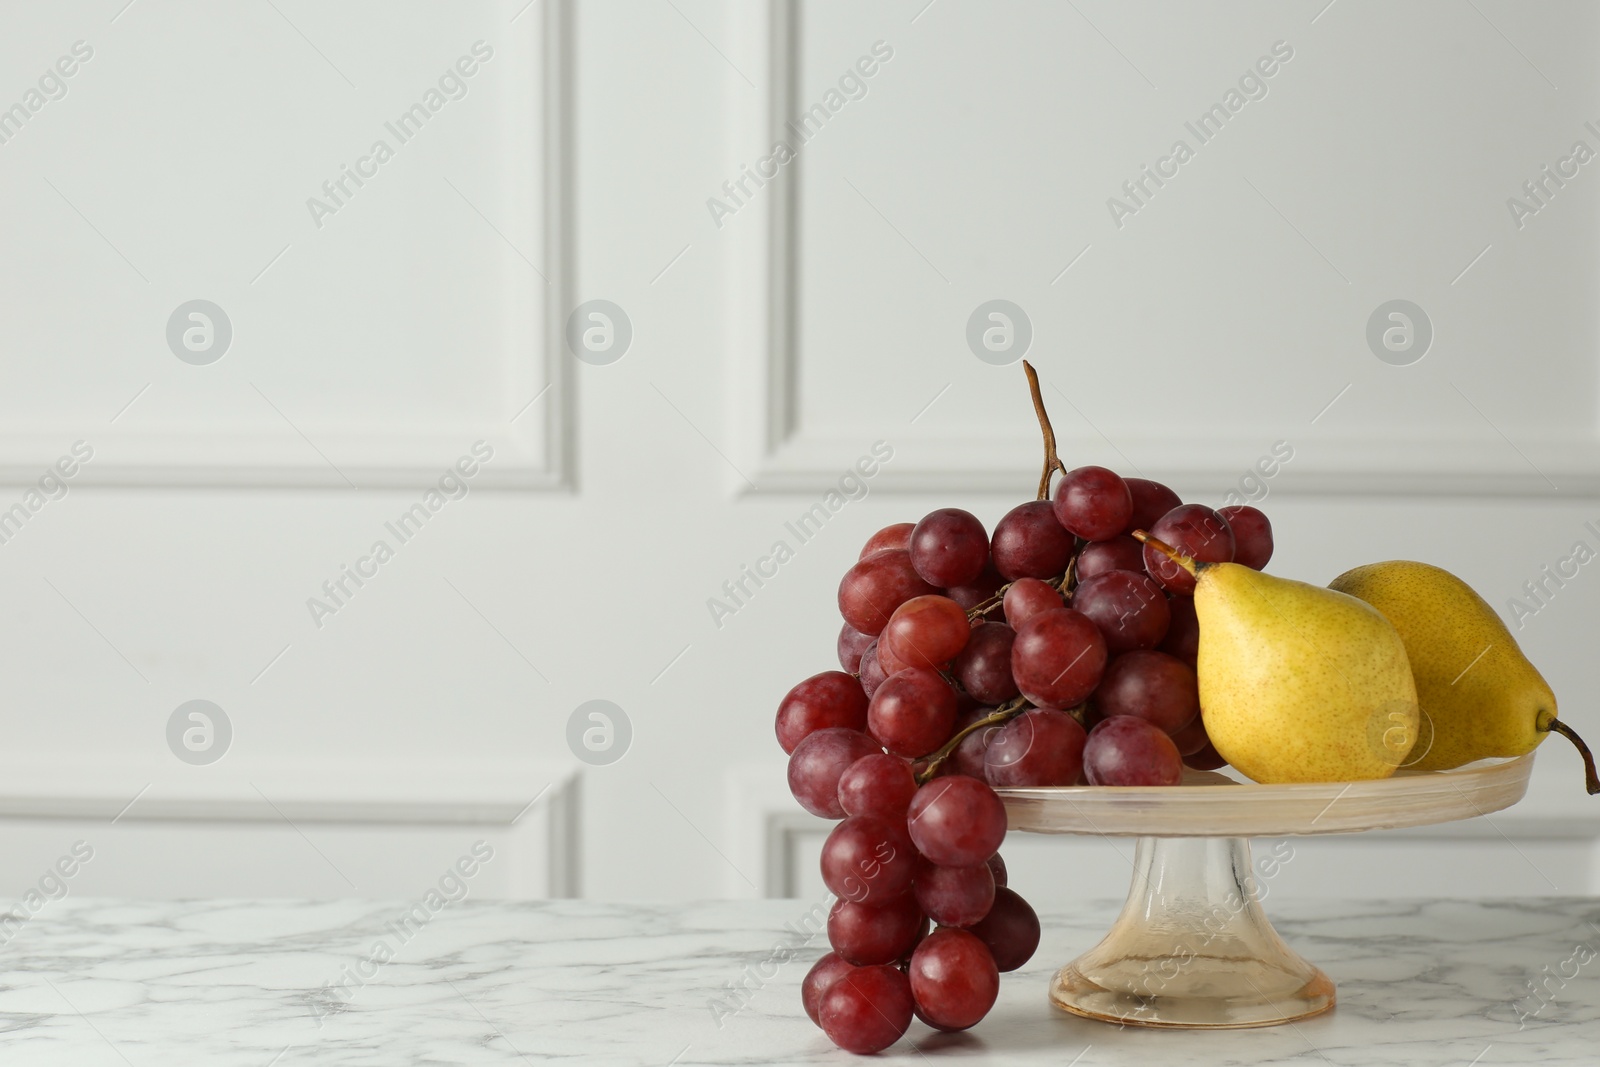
(1192, 948)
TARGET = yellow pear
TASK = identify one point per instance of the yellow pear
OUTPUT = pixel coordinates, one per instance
(1298, 683)
(1480, 696)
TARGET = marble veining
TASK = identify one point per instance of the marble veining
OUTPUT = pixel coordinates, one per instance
(1438, 983)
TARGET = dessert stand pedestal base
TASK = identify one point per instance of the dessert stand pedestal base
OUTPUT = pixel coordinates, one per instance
(1192, 948)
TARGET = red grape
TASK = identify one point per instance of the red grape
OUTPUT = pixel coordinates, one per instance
(866, 1010)
(1195, 531)
(1057, 658)
(1010, 930)
(1206, 759)
(927, 631)
(955, 896)
(880, 785)
(1183, 632)
(1151, 500)
(831, 698)
(1120, 553)
(895, 536)
(1252, 535)
(850, 646)
(872, 672)
(1191, 739)
(997, 867)
(922, 930)
(826, 971)
(1124, 750)
(1093, 503)
(957, 821)
(888, 661)
(1028, 597)
(1152, 686)
(984, 666)
(1029, 543)
(1130, 610)
(874, 587)
(967, 757)
(966, 706)
(868, 861)
(981, 588)
(913, 712)
(865, 934)
(949, 547)
(954, 980)
(817, 763)
(1038, 747)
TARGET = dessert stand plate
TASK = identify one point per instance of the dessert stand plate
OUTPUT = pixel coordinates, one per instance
(1192, 948)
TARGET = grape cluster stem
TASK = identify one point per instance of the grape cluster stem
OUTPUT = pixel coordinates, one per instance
(1002, 714)
(1052, 462)
(1065, 583)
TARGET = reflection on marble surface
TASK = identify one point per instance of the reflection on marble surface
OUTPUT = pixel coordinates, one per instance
(226, 983)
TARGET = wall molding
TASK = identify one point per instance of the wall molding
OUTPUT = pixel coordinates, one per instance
(397, 455)
(781, 455)
(536, 804)
(764, 823)
(1007, 463)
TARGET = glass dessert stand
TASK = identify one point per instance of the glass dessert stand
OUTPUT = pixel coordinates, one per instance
(1192, 948)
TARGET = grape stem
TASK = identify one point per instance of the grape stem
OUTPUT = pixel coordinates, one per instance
(1052, 462)
(1004, 713)
(995, 599)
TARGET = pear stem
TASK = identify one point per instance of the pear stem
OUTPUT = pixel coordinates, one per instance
(1052, 462)
(1592, 782)
(1167, 550)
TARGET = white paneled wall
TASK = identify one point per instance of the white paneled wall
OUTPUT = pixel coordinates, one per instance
(778, 332)
(319, 831)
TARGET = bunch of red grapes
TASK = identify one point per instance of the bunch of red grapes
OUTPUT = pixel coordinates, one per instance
(1056, 651)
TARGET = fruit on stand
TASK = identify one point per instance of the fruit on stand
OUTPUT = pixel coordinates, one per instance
(913, 712)
(1298, 683)
(897, 535)
(1195, 531)
(1106, 635)
(949, 547)
(1038, 747)
(1124, 750)
(1252, 535)
(1027, 597)
(1480, 697)
(1094, 503)
(876, 585)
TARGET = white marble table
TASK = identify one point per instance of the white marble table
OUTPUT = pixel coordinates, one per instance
(227, 983)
